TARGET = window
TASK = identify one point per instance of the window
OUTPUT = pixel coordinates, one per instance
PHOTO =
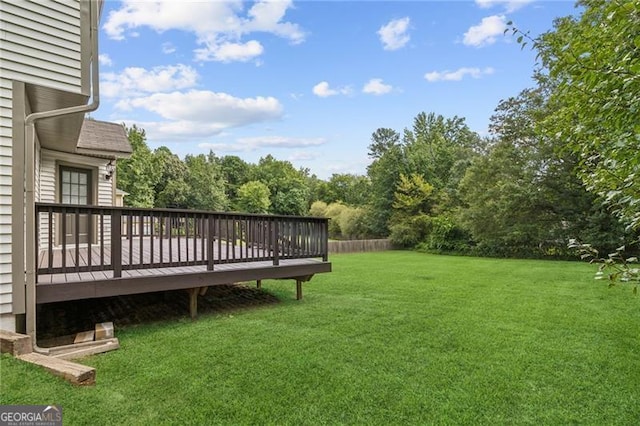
(75, 186)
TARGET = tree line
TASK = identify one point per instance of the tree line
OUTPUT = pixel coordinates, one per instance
(560, 162)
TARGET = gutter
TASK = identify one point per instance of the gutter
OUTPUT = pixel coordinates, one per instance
(29, 141)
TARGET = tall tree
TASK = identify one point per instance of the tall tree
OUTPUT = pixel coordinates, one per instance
(593, 64)
(289, 193)
(137, 175)
(206, 183)
(523, 197)
(171, 189)
(350, 189)
(236, 173)
(384, 172)
(253, 197)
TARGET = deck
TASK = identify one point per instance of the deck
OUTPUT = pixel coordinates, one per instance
(127, 251)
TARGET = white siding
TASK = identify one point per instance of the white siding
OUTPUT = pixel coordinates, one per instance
(40, 44)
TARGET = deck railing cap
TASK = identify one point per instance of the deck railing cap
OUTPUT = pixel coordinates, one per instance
(59, 208)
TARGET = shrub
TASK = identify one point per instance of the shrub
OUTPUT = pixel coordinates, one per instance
(410, 231)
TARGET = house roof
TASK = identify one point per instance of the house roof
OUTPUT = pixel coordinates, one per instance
(103, 138)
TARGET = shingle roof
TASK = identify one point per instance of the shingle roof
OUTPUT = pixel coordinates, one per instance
(104, 136)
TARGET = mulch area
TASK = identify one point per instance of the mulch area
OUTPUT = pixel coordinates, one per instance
(57, 323)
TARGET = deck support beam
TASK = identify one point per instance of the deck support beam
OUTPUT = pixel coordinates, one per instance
(298, 289)
(193, 299)
(193, 302)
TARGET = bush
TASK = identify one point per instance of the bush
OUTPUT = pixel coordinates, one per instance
(333, 212)
(446, 236)
(410, 231)
(318, 208)
(353, 223)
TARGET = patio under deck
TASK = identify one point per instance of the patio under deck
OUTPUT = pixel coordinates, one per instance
(128, 251)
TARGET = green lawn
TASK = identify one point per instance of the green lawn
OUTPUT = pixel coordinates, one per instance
(387, 338)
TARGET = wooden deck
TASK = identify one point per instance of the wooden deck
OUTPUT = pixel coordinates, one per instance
(174, 250)
(87, 285)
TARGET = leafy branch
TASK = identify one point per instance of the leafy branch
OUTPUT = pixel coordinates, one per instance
(616, 267)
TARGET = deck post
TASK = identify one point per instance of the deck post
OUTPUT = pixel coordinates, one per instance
(275, 245)
(116, 243)
(193, 302)
(324, 240)
(210, 236)
(298, 289)
(259, 283)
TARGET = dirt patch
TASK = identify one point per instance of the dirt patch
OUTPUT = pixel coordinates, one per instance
(58, 321)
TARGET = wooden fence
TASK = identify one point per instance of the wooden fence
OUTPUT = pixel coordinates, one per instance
(359, 246)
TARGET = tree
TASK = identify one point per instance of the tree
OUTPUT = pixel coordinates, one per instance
(206, 183)
(384, 174)
(593, 65)
(413, 195)
(350, 189)
(253, 197)
(523, 197)
(137, 175)
(236, 173)
(171, 188)
(289, 193)
(434, 146)
(410, 221)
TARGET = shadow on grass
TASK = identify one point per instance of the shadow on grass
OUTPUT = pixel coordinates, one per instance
(58, 322)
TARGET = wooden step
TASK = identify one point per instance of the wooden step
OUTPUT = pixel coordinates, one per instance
(15, 343)
(75, 373)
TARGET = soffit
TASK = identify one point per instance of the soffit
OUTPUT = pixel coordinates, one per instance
(56, 133)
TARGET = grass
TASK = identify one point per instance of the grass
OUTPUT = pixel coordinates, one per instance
(387, 338)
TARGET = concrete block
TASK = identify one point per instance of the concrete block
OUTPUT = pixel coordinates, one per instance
(104, 330)
(84, 336)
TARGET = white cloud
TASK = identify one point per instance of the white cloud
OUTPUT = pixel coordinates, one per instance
(393, 35)
(259, 142)
(323, 90)
(375, 86)
(206, 107)
(458, 74)
(198, 115)
(510, 5)
(281, 142)
(266, 16)
(219, 27)
(105, 60)
(135, 81)
(230, 52)
(486, 32)
(221, 147)
(168, 48)
(182, 130)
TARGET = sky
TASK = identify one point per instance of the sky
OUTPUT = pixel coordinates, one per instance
(309, 81)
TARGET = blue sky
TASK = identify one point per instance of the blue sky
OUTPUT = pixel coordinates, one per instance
(308, 81)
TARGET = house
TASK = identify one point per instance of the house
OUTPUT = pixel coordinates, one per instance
(63, 232)
(48, 53)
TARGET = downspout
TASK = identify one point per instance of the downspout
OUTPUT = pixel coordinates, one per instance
(30, 208)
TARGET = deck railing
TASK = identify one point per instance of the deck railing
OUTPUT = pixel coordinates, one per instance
(93, 238)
